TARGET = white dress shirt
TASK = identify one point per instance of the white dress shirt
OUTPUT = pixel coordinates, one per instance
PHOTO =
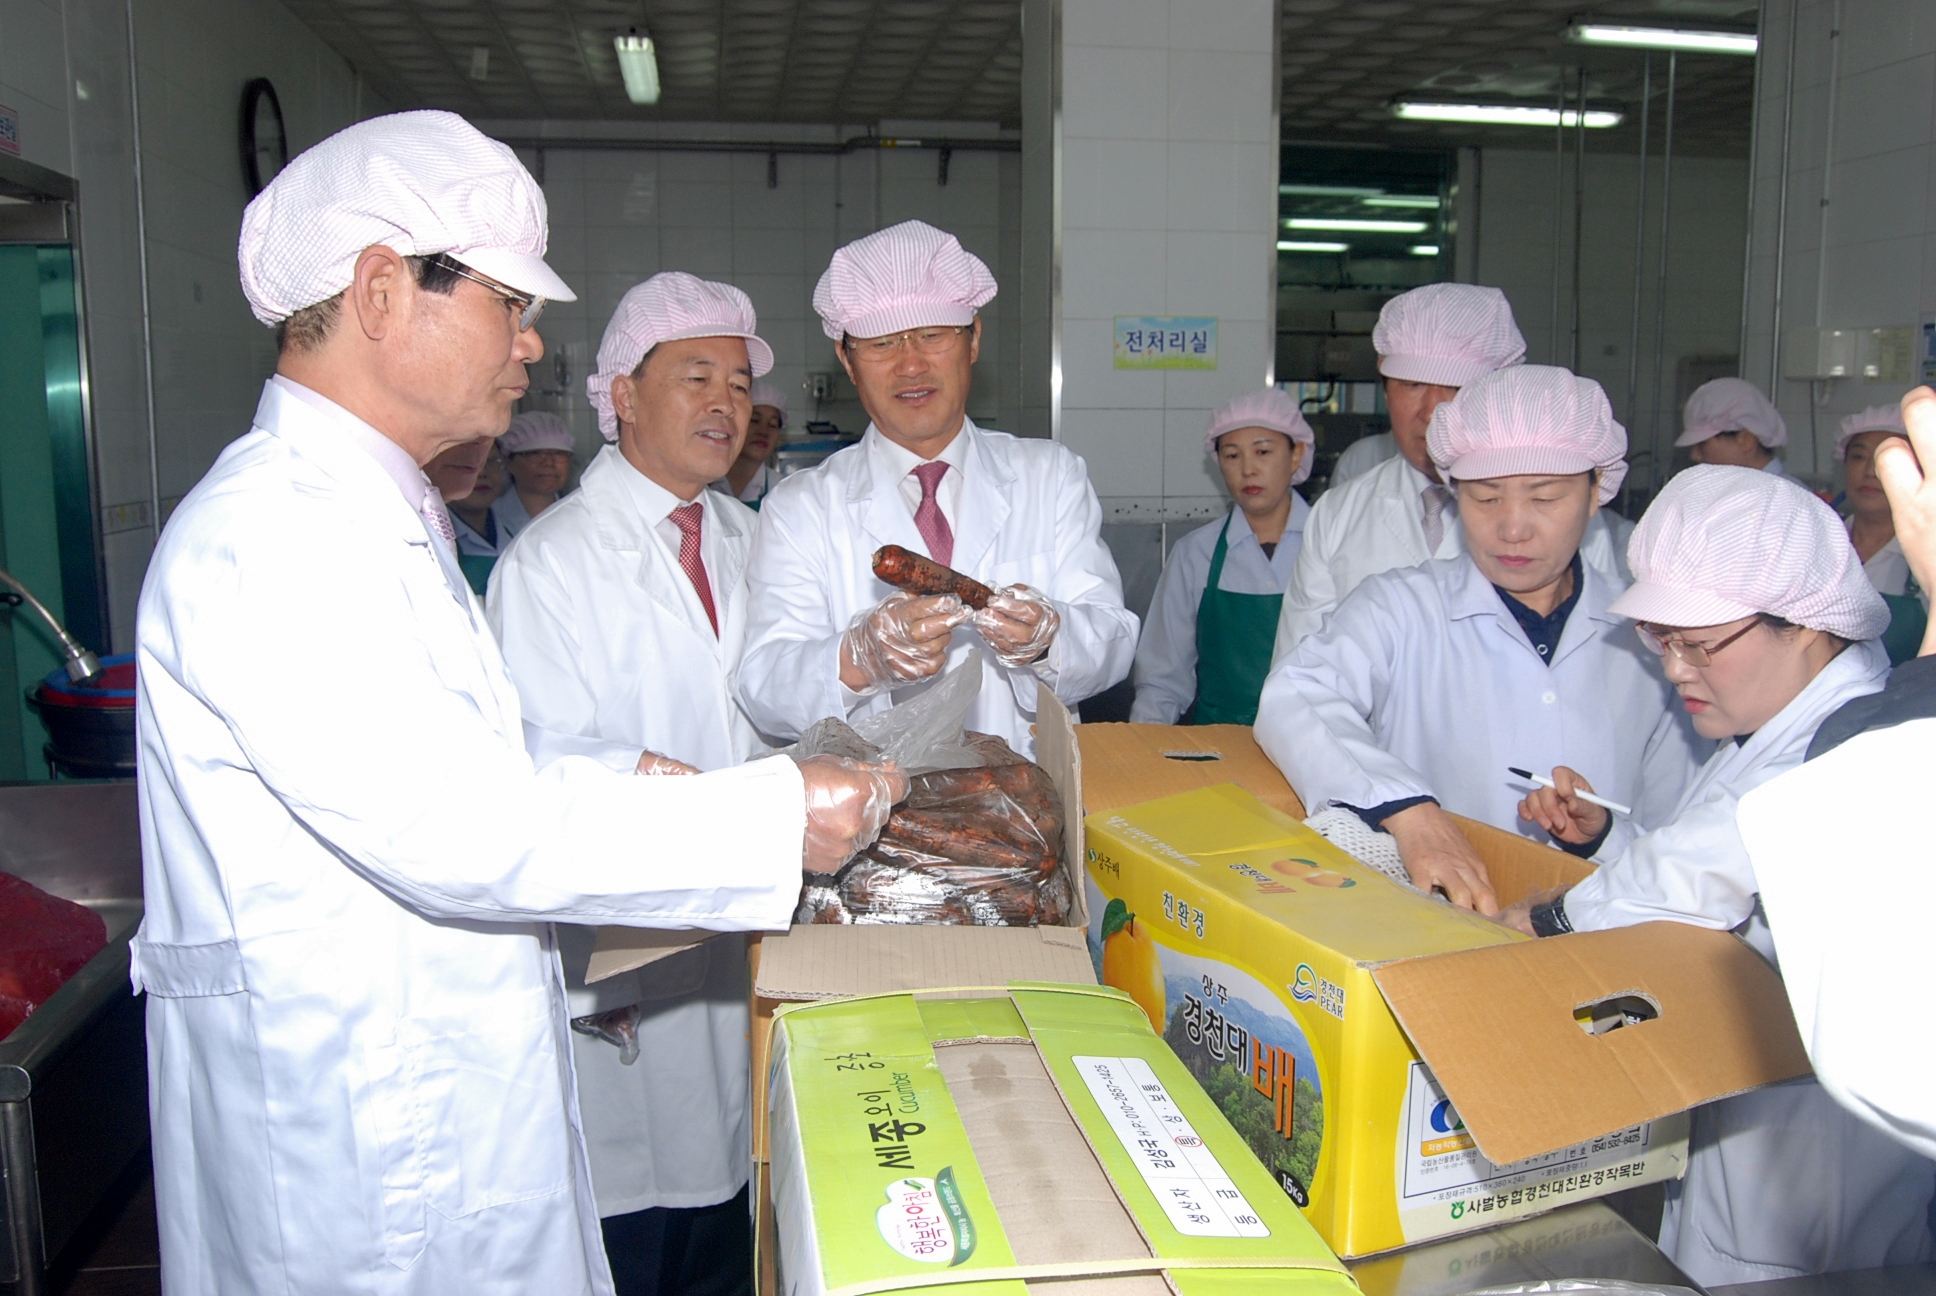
(898, 463)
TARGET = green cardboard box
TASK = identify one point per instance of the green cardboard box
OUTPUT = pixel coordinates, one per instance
(920, 1141)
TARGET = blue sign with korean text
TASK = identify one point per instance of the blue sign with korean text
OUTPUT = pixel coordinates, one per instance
(1166, 342)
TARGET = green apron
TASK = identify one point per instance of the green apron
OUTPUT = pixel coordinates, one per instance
(477, 570)
(1907, 621)
(1235, 636)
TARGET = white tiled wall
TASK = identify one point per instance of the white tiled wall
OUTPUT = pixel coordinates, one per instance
(65, 68)
(618, 217)
(1708, 222)
(1881, 248)
(1169, 190)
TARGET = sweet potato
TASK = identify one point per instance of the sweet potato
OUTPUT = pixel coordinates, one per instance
(907, 570)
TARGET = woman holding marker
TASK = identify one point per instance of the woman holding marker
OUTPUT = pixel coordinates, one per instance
(1746, 587)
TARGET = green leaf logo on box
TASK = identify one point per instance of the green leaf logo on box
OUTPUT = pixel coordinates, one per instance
(925, 1219)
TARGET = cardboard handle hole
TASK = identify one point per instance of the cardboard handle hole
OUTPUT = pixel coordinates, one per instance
(1615, 1013)
(1193, 755)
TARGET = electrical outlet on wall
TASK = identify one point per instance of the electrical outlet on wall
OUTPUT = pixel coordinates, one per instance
(820, 385)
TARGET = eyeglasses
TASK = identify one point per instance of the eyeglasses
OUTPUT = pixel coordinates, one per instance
(928, 341)
(1697, 655)
(529, 308)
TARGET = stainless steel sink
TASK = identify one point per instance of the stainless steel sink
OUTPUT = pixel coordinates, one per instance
(74, 1076)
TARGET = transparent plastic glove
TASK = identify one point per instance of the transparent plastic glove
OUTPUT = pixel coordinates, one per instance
(652, 764)
(1019, 623)
(1519, 917)
(900, 639)
(618, 1026)
(848, 803)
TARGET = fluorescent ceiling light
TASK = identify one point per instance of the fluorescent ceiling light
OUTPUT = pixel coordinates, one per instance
(1663, 38)
(1503, 115)
(1329, 191)
(1346, 223)
(1313, 247)
(1420, 202)
(639, 66)
(1425, 249)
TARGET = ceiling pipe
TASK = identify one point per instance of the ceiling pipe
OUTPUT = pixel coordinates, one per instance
(944, 147)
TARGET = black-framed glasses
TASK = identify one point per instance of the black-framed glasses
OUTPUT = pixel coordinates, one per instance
(1695, 654)
(529, 307)
(928, 341)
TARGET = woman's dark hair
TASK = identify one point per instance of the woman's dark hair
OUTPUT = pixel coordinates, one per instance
(1784, 627)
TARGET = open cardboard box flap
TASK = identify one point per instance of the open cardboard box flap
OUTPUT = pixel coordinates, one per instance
(835, 962)
(1498, 1027)
(872, 960)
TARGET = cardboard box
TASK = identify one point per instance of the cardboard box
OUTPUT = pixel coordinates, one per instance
(1352, 984)
(1043, 1133)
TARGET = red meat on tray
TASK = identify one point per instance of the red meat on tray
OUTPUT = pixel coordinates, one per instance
(44, 940)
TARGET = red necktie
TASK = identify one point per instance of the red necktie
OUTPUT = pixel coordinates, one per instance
(687, 518)
(928, 519)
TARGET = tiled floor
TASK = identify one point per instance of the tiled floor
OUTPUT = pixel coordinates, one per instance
(119, 1253)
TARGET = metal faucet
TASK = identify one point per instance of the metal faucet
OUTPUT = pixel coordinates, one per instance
(82, 665)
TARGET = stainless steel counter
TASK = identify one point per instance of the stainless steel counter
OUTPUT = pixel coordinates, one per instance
(73, 1077)
(1898, 1280)
(1584, 1241)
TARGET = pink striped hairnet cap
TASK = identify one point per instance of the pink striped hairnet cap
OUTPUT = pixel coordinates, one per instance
(1731, 405)
(1876, 418)
(1525, 420)
(536, 430)
(765, 393)
(418, 183)
(1270, 407)
(906, 276)
(1447, 334)
(669, 307)
(1722, 542)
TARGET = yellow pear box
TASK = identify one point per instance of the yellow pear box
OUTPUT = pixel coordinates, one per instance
(1407, 1070)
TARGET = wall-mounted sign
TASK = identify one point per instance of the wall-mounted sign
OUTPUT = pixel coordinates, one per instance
(1166, 342)
(9, 131)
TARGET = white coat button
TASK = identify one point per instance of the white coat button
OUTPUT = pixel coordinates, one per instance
(1550, 699)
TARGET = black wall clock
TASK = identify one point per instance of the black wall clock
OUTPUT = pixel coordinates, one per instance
(265, 143)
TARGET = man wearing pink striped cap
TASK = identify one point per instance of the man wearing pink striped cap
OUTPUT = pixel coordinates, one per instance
(356, 1025)
(619, 611)
(1431, 342)
(1430, 683)
(824, 636)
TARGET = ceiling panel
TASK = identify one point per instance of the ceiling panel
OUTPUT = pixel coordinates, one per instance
(1344, 62)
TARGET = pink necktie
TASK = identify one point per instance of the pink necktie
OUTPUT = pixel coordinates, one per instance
(928, 519)
(687, 518)
(434, 515)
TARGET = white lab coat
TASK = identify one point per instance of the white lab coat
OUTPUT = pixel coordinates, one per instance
(1852, 949)
(356, 1021)
(1362, 455)
(1375, 523)
(471, 542)
(1888, 568)
(1423, 684)
(1166, 659)
(757, 487)
(1027, 515)
(608, 644)
(1780, 1181)
(511, 515)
